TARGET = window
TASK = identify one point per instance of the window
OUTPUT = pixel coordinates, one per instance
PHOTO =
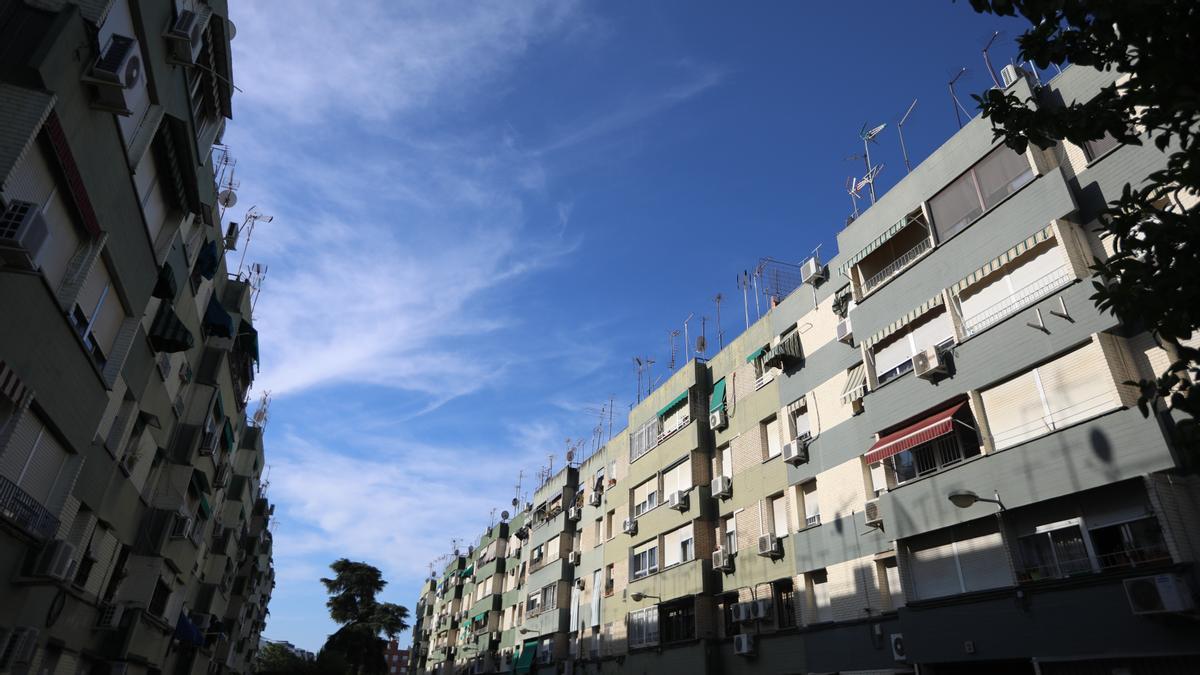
(1072, 388)
(533, 603)
(1129, 544)
(553, 549)
(725, 452)
(678, 546)
(40, 467)
(675, 418)
(643, 627)
(97, 314)
(608, 524)
(770, 437)
(999, 174)
(644, 439)
(818, 587)
(960, 559)
(729, 541)
(158, 601)
(550, 597)
(645, 559)
(760, 366)
(778, 514)
(679, 621)
(893, 357)
(645, 497)
(785, 603)
(932, 456)
(1032, 275)
(609, 580)
(812, 509)
(597, 533)
(800, 425)
(678, 478)
(1098, 148)
(1056, 550)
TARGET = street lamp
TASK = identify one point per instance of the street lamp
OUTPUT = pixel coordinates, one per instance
(638, 597)
(965, 499)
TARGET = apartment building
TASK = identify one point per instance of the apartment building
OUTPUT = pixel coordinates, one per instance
(133, 524)
(924, 457)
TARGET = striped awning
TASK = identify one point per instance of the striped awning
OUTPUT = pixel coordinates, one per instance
(11, 386)
(1043, 235)
(936, 425)
(674, 402)
(928, 305)
(717, 400)
(167, 332)
(876, 243)
(25, 110)
(856, 384)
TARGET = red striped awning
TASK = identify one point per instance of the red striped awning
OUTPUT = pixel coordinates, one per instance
(923, 431)
(11, 386)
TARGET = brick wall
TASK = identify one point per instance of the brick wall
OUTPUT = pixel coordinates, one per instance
(841, 490)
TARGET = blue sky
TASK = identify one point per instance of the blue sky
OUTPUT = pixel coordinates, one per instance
(483, 211)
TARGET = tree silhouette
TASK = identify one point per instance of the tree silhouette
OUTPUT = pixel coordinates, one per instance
(363, 619)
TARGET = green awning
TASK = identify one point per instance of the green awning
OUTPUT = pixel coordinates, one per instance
(525, 660)
(856, 384)
(480, 616)
(891, 328)
(755, 354)
(200, 480)
(1022, 247)
(204, 507)
(717, 401)
(674, 402)
(227, 435)
(167, 332)
(468, 571)
(877, 242)
(247, 339)
(165, 287)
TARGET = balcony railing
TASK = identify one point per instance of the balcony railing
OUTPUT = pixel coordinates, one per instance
(1126, 559)
(893, 268)
(1022, 297)
(26, 512)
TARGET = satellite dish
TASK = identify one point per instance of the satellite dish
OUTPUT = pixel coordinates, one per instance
(701, 344)
(232, 29)
(227, 198)
(504, 515)
(516, 502)
(570, 455)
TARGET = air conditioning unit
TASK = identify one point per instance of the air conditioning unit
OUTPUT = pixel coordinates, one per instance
(186, 37)
(743, 644)
(117, 69)
(595, 498)
(1010, 74)
(873, 514)
(761, 608)
(856, 406)
(742, 612)
(109, 617)
(181, 526)
(573, 557)
(223, 477)
(722, 561)
(722, 486)
(796, 452)
(23, 233)
(897, 642)
(678, 501)
(718, 419)
(929, 364)
(629, 526)
(56, 560)
(768, 546)
(580, 583)
(845, 332)
(574, 514)
(1159, 594)
(812, 271)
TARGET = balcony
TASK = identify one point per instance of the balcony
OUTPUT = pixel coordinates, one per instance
(25, 512)
(896, 266)
(1019, 299)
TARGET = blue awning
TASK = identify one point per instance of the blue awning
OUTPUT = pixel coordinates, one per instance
(207, 261)
(187, 632)
(216, 320)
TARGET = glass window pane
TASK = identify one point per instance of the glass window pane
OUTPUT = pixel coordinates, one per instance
(1001, 173)
(955, 206)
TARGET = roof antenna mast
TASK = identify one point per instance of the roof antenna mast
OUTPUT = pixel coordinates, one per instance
(954, 97)
(720, 333)
(900, 129)
(868, 137)
(988, 62)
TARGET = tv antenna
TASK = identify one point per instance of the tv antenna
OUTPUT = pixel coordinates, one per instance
(258, 274)
(253, 217)
(900, 129)
(642, 366)
(263, 412)
(686, 338)
(852, 189)
(720, 333)
(868, 137)
(987, 62)
(702, 338)
(743, 282)
(671, 335)
(954, 97)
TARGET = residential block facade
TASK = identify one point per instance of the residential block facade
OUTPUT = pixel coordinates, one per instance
(926, 458)
(134, 527)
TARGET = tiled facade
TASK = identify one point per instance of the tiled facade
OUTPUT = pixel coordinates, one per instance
(820, 451)
(134, 529)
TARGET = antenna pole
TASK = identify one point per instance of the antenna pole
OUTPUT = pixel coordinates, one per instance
(867, 159)
(954, 98)
(687, 345)
(743, 282)
(900, 128)
(720, 333)
(757, 307)
(988, 62)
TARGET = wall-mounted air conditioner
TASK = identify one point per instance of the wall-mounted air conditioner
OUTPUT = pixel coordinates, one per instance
(23, 233)
(722, 486)
(930, 364)
(845, 331)
(629, 526)
(595, 498)
(742, 612)
(56, 560)
(768, 546)
(722, 561)
(117, 70)
(796, 451)
(718, 419)
(743, 644)
(813, 272)
(1159, 594)
(678, 501)
(873, 514)
(574, 514)
(185, 36)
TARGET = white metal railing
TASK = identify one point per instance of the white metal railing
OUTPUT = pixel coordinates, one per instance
(927, 458)
(1027, 295)
(893, 268)
(1056, 419)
